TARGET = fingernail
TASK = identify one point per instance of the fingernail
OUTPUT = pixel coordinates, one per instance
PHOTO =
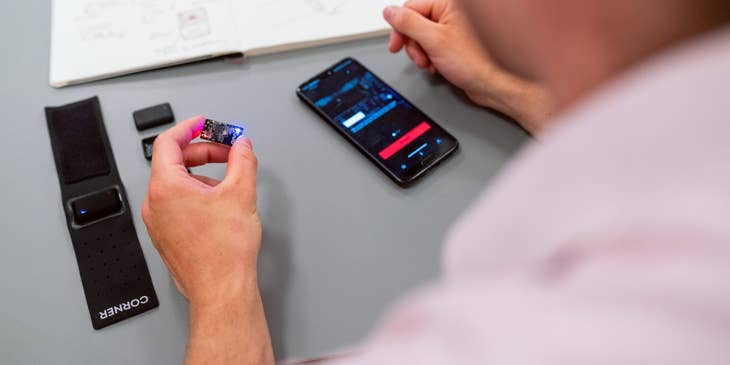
(245, 141)
(390, 12)
(199, 127)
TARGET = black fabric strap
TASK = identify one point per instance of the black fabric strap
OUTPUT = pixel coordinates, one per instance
(113, 270)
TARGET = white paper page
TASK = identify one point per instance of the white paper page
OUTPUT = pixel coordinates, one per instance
(273, 23)
(101, 38)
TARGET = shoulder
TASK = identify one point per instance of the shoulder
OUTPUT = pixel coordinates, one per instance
(649, 148)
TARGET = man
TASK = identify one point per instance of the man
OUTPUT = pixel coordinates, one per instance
(607, 242)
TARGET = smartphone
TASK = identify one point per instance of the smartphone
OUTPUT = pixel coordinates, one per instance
(399, 138)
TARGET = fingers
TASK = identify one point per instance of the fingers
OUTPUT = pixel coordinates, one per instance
(397, 41)
(168, 148)
(423, 7)
(198, 154)
(412, 24)
(242, 165)
(206, 180)
(417, 54)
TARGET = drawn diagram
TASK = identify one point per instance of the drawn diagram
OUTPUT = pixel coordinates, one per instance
(99, 38)
(329, 7)
(95, 23)
(194, 23)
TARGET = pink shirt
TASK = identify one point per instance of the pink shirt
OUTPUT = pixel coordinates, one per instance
(607, 242)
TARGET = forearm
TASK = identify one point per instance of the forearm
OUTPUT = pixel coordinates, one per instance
(229, 327)
(529, 103)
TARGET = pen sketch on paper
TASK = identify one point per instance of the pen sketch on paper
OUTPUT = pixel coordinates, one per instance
(160, 27)
(105, 38)
(194, 23)
(329, 7)
(289, 15)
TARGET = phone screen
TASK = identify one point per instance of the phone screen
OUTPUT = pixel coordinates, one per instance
(400, 138)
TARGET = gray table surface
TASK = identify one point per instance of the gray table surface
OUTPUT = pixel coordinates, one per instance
(341, 240)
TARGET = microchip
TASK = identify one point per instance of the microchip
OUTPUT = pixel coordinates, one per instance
(220, 132)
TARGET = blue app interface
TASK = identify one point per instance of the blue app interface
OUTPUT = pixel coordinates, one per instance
(377, 117)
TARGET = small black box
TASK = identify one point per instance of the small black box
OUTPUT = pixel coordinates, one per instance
(147, 145)
(153, 116)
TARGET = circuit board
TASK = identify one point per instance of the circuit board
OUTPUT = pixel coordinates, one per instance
(220, 132)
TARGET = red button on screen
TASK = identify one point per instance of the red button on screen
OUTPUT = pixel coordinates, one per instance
(404, 141)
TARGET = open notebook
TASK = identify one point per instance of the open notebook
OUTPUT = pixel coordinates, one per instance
(97, 39)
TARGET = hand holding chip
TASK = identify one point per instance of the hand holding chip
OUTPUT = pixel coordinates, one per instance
(208, 234)
(207, 231)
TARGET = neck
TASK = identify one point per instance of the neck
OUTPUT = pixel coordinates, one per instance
(591, 56)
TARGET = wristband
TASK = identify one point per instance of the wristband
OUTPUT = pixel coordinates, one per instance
(114, 273)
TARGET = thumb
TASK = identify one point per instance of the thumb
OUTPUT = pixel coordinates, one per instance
(242, 165)
(412, 24)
